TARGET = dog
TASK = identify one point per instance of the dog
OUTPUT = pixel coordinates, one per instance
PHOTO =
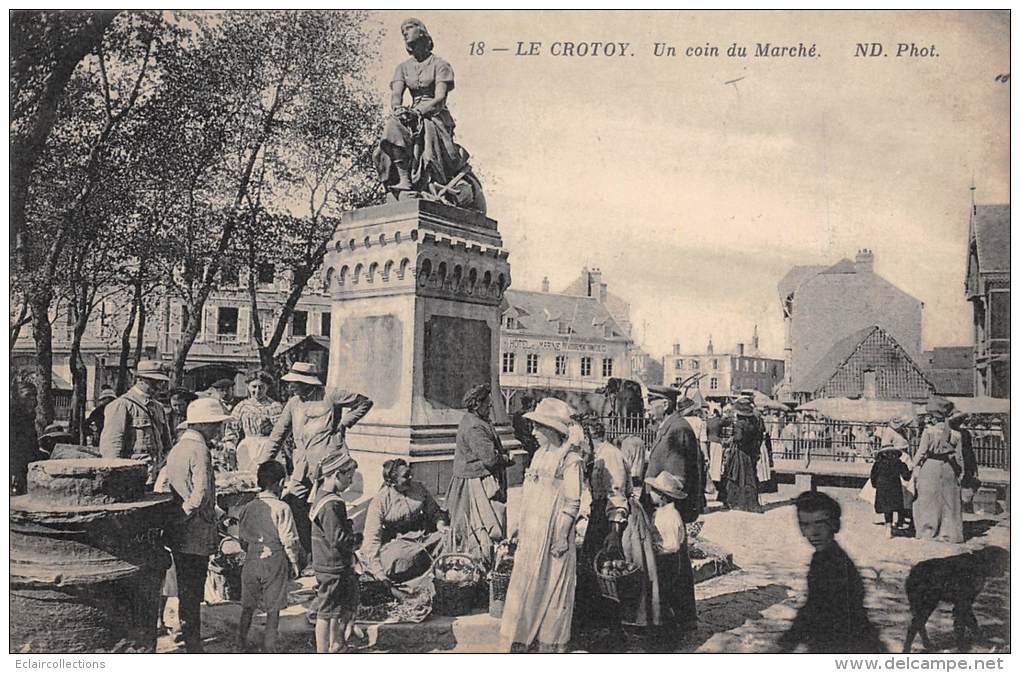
(957, 580)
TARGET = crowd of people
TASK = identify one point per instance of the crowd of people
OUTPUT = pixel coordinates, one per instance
(636, 501)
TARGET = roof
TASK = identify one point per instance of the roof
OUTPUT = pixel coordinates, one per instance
(952, 381)
(952, 357)
(842, 266)
(839, 353)
(795, 276)
(991, 231)
(310, 342)
(540, 313)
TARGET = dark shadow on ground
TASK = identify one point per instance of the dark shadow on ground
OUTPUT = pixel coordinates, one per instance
(978, 528)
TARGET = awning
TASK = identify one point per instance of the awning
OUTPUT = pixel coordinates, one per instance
(980, 405)
(861, 411)
(219, 366)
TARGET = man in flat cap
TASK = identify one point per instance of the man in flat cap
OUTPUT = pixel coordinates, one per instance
(135, 424)
(675, 450)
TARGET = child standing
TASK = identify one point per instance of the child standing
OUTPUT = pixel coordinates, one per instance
(833, 619)
(333, 544)
(669, 539)
(886, 475)
(272, 555)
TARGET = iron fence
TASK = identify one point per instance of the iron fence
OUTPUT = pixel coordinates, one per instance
(835, 441)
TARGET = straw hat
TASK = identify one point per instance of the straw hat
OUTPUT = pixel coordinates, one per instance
(55, 430)
(941, 406)
(667, 484)
(901, 421)
(206, 410)
(106, 394)
(150, 369)
(303, 372)
(552, 413)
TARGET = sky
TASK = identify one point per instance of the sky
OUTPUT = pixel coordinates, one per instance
(695, 193)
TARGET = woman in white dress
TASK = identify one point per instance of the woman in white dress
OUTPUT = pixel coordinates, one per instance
(540, 599)
(253, 418)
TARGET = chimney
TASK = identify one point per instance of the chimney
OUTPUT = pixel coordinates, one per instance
(710, 349)
(865, 262)
(754, 341)
(740, 349)
(594, 282)
(603, 293)
(545, 284)
(676, 349)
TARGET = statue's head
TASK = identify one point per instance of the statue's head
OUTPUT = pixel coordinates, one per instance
(414, 32)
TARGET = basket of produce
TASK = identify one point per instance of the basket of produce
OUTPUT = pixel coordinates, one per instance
(694, 529)
(619, 580)
(499, 578)
(456, 578)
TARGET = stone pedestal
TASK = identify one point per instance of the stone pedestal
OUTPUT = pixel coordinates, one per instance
(416, 289)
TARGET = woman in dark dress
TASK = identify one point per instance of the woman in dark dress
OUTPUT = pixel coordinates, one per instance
(886, 475)
(739, 473)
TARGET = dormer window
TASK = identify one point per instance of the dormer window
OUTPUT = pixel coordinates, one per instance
(510, 322)
(609, 332)
(562, 327)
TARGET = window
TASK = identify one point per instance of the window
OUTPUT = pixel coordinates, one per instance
(509, 322)
(679, 364)
(267, 274)
(299, 323)
(609, 332)
(607, 367)
(561, 365)
(715, 363)
(326, 323)
(713, 383)
(754, 365)
(532, 363)
(509, 360)
(562, 327)
(586, 366)
(226, 321)
(694, 364)
(999, 310)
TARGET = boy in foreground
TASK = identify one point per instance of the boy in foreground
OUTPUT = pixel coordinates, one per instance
(272, 555)
(833, 619)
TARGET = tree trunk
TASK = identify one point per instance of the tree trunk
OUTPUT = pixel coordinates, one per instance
(23, 319)
(195, 309)
(140, 339)
(42, 332)
(79, 386)
(125, 347)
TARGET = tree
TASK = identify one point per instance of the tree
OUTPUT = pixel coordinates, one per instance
(67, 179)
(261, 97)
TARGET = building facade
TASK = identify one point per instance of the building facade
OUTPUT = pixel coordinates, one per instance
(987, 289)
(559, 341)
(822, 305)
(223, 348)
(720, 376)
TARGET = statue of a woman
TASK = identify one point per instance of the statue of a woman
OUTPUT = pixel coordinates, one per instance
(417, 156)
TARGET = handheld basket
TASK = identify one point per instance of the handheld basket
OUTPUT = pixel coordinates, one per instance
(499, 578)
(456, 578)
(622, 586)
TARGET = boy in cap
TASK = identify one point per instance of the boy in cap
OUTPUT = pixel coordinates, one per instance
(94, 422)
(272, 555)
(670, 543)
(833, 619)
(333, 545)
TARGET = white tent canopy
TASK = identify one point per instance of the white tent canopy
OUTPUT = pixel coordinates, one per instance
(980, 405)
(861, 411)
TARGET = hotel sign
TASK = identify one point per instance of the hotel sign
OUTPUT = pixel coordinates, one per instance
(557, 345)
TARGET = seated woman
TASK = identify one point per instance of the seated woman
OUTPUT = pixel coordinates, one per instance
(404, 527)
(417, 154)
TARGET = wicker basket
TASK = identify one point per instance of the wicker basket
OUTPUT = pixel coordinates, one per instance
(498, 584)
(620, 588)
(455, 597)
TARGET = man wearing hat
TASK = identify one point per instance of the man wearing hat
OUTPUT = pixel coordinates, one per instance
(55, 433)
(95, 421)
(314, 417)
(675, 451)
(191, 534)
(135, 424)
(223, 390)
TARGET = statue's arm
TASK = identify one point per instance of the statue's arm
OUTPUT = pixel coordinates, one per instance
(397, 94)
(437, 103)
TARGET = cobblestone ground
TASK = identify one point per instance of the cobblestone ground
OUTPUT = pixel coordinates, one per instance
(747, 610)
(743, 611)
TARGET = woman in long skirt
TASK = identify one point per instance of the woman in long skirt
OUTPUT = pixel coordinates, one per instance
(476, 497)
(638, 540)
(540, 599)
(938, 469)
(739, 473)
